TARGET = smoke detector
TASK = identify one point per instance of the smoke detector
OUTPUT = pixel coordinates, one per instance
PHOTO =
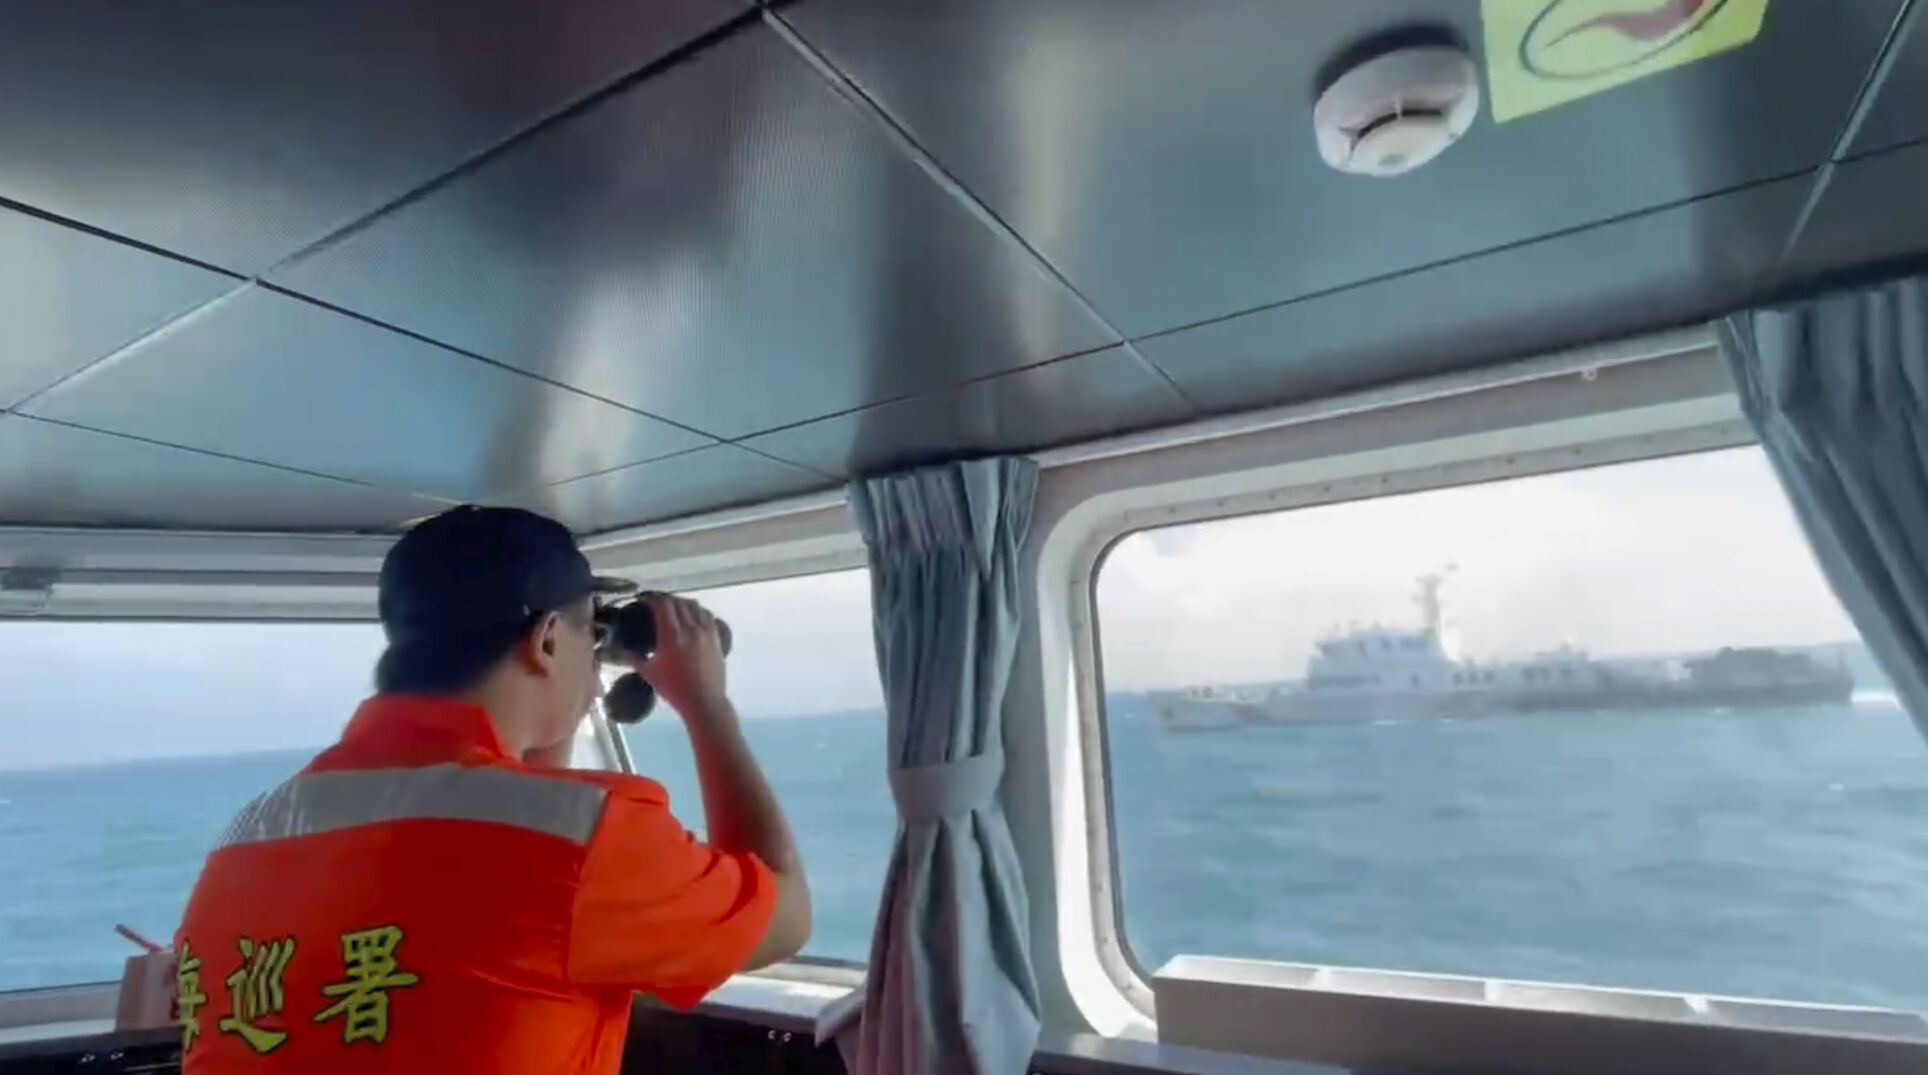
(1396, 111)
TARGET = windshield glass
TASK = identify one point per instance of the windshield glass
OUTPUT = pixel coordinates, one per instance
(1606, 727)
(129, 748)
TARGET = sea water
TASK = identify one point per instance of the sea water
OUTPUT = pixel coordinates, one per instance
(1781, 854)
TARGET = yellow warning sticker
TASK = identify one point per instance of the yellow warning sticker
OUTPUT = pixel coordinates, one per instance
(1542, 53)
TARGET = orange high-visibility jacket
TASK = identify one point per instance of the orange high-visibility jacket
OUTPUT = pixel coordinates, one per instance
(416, 900)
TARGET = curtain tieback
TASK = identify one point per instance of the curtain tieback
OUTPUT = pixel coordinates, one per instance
(935, 792)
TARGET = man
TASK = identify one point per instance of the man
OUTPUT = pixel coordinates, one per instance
(436, 892)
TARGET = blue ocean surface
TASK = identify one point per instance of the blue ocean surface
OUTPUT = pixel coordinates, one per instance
(1779, 854)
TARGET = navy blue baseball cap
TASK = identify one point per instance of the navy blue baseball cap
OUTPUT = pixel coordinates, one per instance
(472, 578)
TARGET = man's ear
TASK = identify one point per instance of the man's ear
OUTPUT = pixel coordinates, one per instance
(542, 643)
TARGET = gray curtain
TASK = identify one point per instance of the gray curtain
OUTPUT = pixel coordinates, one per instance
(1837, 389)
(950, 986)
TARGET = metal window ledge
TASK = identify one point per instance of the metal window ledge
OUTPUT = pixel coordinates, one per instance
(1386, 1020)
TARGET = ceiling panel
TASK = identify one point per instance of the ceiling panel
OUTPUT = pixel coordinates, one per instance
(54, 475)
(1870, 212)
(267, 377)
(718, 477)
(729, 245)
(236, 133)
(1648, 272)
(1109, 391)
(1160, 153)
(68, 298)
(1900, 112)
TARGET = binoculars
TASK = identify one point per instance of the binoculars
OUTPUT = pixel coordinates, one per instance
(629, 635)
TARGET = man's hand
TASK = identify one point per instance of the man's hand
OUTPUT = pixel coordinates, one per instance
(687, 669)
(739, 809)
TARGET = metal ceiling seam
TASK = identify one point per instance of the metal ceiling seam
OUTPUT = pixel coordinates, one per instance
(1864, 101)
(84, 228)
(845, 87)
(1578, 360)
(154, 332)
(826, 509)
(603, 541)
(912, 397)
(1475, 255)
(1162, 376)
(225, 457)
(799, 534)
(729, 27)
(604, 472)
(786, 462)
(688, 50)
(1906, 20)
(518, 371)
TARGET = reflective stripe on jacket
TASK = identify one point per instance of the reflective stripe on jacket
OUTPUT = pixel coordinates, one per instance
(417, 900)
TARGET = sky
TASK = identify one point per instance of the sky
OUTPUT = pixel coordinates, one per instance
(1685, 553)
(1668, 555)
(79, 693)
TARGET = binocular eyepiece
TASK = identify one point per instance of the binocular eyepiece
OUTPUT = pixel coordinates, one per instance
(629, 636)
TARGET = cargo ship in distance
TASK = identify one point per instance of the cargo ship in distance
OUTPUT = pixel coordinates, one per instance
(1401, 674)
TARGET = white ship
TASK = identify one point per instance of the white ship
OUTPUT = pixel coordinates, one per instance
(1383, 673)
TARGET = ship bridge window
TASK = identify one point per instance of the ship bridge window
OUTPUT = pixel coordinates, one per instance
(1726, 766)
(129, 748)
(803, 673)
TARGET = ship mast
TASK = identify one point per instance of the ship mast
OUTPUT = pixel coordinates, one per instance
(1430, 615)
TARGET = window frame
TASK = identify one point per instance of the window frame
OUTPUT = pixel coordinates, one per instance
(1662, 396)
(1114, 913)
